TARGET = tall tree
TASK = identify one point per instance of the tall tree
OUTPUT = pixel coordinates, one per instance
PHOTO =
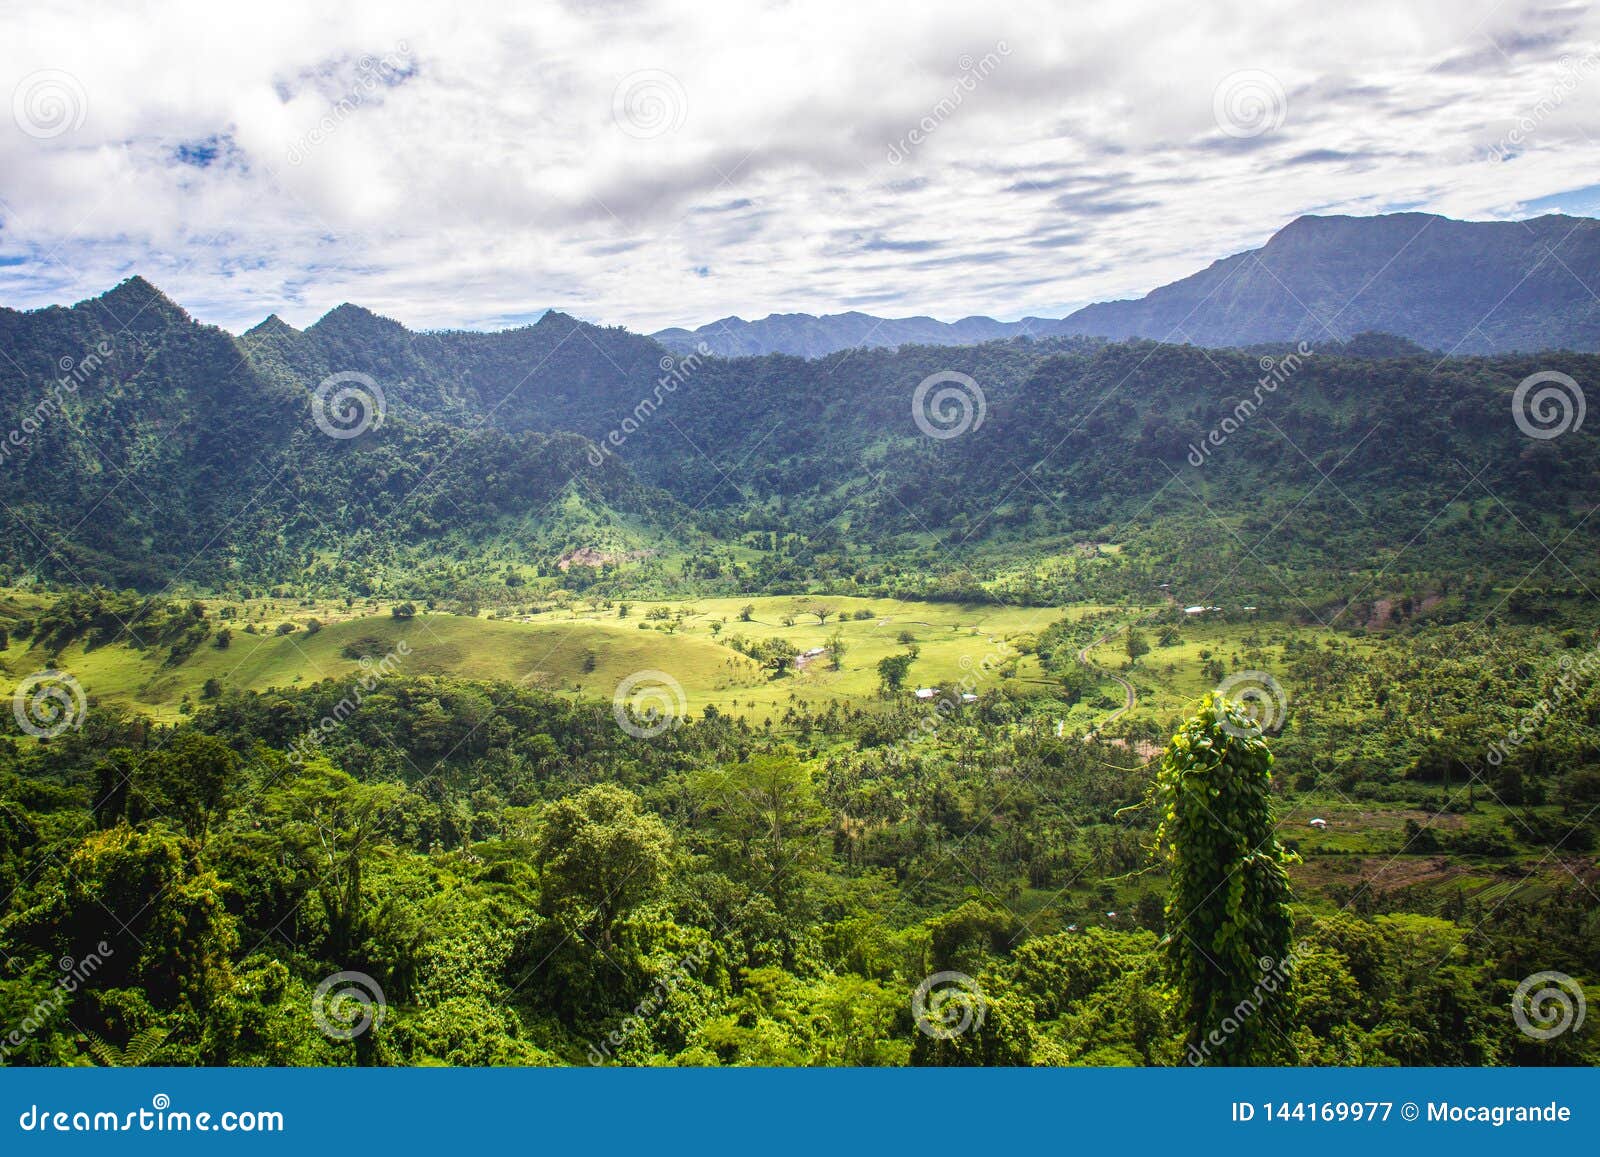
(892, 672)
(836, 650)
(1227, 914)
(600, 854)
(332, 825)
(767, 809)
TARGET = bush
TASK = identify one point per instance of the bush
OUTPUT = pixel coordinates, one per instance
(362, 647)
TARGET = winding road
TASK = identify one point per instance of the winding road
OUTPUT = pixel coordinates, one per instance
(1130, 699)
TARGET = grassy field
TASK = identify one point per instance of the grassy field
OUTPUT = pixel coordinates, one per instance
(584, 647)
(1171, 680)
(579, 647)
(588, 648)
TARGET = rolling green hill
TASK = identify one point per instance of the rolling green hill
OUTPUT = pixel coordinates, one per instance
(584, 649)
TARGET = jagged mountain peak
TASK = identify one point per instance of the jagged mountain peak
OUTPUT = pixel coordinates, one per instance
(136, 304)
(349, 317)
(271, 325)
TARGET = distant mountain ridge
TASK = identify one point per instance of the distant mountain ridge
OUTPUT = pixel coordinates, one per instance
(1468, 287)
(808, 336)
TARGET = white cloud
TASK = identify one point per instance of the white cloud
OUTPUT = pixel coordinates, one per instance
(465, 167)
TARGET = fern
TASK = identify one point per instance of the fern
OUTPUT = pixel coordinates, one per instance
(140, 1051)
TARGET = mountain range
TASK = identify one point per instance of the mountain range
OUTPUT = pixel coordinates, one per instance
(148, 450)
(1453, 286)
(808, 336)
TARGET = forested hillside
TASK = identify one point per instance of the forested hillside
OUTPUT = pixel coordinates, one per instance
(182, 453)
(936, 536)
(150, 451)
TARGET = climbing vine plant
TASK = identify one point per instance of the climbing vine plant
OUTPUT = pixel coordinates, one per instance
(1228, 921)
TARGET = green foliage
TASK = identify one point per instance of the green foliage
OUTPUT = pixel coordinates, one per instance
(529, 884)
(506, 525)
(837, 649)
(141, 1050)
(599, 856)
(766, 812)
(333, 826)
(1227, 914)
(185, 782)
(892, 672)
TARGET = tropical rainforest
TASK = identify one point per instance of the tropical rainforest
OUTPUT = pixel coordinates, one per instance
(548, 697)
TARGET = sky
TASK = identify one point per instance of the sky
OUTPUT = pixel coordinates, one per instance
(655, 164)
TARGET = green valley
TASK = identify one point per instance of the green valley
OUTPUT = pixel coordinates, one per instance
(591, 703)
